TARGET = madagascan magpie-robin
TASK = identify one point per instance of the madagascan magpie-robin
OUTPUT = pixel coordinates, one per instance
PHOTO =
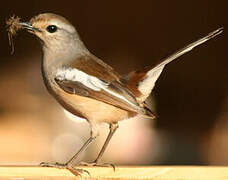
(89, 88)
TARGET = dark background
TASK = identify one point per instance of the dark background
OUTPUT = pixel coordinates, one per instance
(190, 96)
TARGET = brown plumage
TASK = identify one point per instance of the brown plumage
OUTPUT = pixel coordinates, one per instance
(133, 79)
(85, 86)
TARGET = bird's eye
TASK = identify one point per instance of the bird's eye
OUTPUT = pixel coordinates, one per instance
(51, 28)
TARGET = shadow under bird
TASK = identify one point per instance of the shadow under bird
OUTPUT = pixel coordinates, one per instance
(87, 87)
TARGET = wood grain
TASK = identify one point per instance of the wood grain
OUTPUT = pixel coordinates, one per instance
(122, 172)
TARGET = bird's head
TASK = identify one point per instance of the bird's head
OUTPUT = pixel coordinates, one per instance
(54, 31)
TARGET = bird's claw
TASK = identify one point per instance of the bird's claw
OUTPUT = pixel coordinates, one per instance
(97, 164)
(56, 165)
(71, 168)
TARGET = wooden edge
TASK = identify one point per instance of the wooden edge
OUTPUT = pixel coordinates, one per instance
(122, 172)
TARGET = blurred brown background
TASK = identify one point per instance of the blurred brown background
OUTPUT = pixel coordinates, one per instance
(190, 97)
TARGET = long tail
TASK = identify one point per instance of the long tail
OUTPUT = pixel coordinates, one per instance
(142, 82)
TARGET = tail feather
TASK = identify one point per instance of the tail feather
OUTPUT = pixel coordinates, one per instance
(149, 113)
(142, 82)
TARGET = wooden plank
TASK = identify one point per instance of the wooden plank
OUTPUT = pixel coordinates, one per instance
(122, 172)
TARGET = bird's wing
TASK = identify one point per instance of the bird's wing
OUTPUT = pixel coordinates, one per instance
(91, 78)
(142, 82)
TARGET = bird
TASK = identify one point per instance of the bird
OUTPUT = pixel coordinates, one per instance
(87, 87)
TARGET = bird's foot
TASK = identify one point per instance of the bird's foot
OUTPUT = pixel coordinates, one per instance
(70, 167)
(97, 164)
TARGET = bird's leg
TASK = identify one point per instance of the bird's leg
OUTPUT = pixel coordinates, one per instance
(70, 164)
(112, 128)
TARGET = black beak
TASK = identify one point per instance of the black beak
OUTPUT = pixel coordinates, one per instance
(28, 26)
